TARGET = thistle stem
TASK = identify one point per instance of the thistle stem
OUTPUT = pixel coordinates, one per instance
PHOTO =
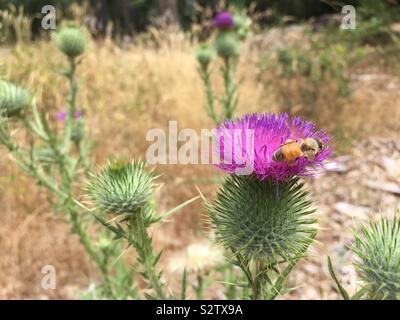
(230, 87)
(199, 288)
(73, 90)
(206, 77)
(140, 240)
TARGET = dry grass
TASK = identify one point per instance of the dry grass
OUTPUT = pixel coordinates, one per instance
(124, 93)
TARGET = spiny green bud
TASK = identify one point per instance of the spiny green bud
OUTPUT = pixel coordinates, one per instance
(71, 41)
(262, 219)
(377, 247)
(204, 55)
(226, 44)
(122, 188)
(13, 99)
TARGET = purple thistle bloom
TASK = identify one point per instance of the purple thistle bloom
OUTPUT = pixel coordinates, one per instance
(62, 115)
(256, 138)
(223, 20)
(77, 114)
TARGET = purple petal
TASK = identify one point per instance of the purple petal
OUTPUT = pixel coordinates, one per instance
(246, 146)
(77, 114)
(223, 20)
(61, 116)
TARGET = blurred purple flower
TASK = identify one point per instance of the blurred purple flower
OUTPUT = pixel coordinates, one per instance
(223, 20)
(256, 137)
(62, 115)
(77, 114)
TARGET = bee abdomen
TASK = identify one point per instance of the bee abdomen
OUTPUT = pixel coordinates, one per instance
(278, 155)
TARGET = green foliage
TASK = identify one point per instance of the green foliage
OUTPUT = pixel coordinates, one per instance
(13, 99)
(308, 74)
(122, 188)
(71, 41)
(242, 25)
(377, 247)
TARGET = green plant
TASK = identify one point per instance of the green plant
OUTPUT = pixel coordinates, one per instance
(266, 225)
(227, 47)
(377, 261)
(312, 79)
(59, 161)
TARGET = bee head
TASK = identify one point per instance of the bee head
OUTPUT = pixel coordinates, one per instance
(320, 144)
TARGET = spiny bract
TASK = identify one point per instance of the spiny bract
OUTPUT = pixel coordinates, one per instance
(122, 188)
(13, 98)
(262, 219)
(378, 265)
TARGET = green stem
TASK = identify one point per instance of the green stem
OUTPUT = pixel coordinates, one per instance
(257, 282)
(199, 288)
(230, 87)
(141, 241)
(73, 90)
(206, 77)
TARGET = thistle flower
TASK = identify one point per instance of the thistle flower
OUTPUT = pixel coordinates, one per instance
(13, 98)
(227, 45)
(377, 247)
(71, 41)
(223, 20)
(62, 115)
(197, 257)
(250, 142)
(263, 219)
(121, 188)
(204, 55)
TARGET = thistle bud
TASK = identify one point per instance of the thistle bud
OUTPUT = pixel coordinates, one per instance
(13, 99)
(71, 41)
(204, 55)
(262, 219)
(378, 258)
(227, 45)
(122, 188)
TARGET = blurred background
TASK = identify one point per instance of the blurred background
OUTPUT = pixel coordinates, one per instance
(140, 72)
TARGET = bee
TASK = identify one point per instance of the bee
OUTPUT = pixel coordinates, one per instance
(291, 150)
